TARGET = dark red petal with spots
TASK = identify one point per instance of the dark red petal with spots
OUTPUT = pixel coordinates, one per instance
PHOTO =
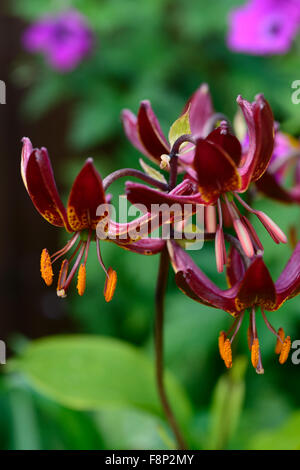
(86, 195)
(216, 171)
(150, 132)
(288, 283)
(228, 142)
(42, 188)
(257, 287)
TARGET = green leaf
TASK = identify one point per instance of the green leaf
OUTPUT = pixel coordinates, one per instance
(94, 372)
(152, 172)
(180, 127)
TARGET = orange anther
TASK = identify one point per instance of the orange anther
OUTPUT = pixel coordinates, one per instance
(221, 341)
(227, 354)
(285, 350)
(255, 353)
(46, 267)
(110, 284)
(81, 280)
(279, 343)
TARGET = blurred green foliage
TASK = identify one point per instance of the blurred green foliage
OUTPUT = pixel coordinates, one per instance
(160, 50)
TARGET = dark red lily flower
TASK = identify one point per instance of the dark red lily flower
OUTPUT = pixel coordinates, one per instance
(285, 159)
(249, 289)
(79, 218)
(145, 133)
(220, 171)
(219, 163)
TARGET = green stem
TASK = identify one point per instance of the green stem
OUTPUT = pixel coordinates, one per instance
(159, 360)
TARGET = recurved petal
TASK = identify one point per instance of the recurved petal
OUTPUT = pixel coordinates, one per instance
(25, 154)
(260, 123)
(194, 283)
(145, 246)
(216, 171)
(150, 133)
(288, 283)
(86, 195)
(257, 287)
(42, 188)
(183, 194)
(235, 268)
(201, 110)
(268, 185)
(129, 121)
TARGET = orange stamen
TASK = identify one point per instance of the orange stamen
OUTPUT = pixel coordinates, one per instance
(227, 354)
(46, 267)
(81, 280)
(62, 278)
(255, 353)
(221, 341)
(279, 343)
(110, 284)
(285, 350)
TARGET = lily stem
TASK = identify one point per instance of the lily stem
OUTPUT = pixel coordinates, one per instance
(159, 350)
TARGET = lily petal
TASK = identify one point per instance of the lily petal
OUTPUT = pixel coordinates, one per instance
(288, 283)
(235, 268)
(86, 195)
(145, 246)
(150, 133)
(183, 194)
(256, 287)
(194, 283)
(40, 184)
(260, 122)
(268, 185)
(129, 121)
(201, 110)
(216, 171)
(227, 141)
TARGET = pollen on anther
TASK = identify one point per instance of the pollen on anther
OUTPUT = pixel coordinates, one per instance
(221, 341)
(46, 267)
(227, 354)
(285, 350)
(279, 343)
(110, 284)
(81, 280)
(255, 353)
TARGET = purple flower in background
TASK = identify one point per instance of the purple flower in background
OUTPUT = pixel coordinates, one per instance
(65, 39)
(264, 26)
